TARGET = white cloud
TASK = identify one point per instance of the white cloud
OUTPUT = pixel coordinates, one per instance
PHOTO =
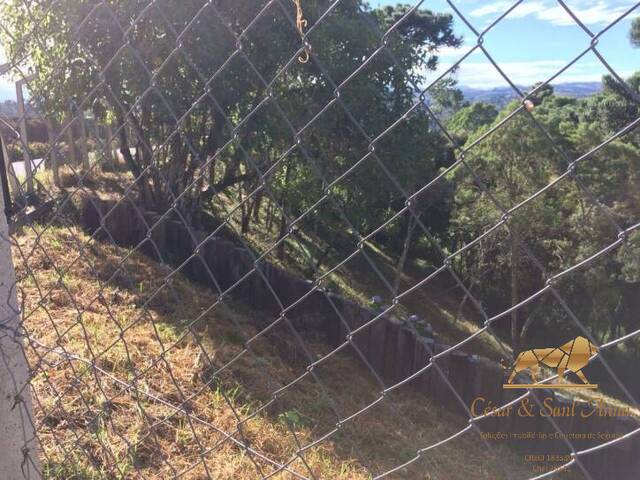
(522, 10)
(526, 9)
(590, 12)
(484, 75)
(497, 7)
(598, 14)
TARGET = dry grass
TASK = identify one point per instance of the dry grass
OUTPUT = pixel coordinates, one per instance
(136, 329)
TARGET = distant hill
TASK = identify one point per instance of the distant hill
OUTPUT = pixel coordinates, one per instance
(500, 96)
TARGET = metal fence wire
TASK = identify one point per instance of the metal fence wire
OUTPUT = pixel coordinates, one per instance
(191, 240)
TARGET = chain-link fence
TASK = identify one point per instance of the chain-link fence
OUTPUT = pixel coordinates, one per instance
(251, 240)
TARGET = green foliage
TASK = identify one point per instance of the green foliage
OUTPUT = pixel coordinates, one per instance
(36, 150)
(562, 226)
(635, 32)
(75, 44)
(471, 118)
(293, 418)
(615, 107)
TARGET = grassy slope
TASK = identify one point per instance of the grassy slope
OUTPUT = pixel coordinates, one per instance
(113, 432)
(438, 304)
(358, 280)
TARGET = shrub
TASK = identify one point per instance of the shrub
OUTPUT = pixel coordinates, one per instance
(36, 150)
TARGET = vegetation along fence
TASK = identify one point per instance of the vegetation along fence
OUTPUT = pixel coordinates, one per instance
(284, 239)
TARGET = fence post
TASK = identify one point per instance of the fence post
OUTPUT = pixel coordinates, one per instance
(11, 175)
(54, 157)
(18, 443)
(83, 140)
(24, 140)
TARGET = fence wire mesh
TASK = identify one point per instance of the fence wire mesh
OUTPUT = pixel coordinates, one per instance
(196, 238)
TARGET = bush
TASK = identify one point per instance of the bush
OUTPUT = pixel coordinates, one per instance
(36, 150)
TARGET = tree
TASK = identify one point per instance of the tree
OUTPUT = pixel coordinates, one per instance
(203, 123)
(634, 34)
(471, 118)
(77, 51)
(513, 162)
(562, 226)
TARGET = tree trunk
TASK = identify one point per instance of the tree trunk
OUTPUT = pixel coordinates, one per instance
(84, 147)
(214, 141)
(269, 215)
(246, 209)
(283, 220)
(131, 163)
(73, 157)
(281, 234)
(411, 225)
(256, 206)
(322, 257)
(461, 306)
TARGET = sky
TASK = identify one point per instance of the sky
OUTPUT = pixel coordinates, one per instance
(536, 40)
(532, 43)
(7, 88)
